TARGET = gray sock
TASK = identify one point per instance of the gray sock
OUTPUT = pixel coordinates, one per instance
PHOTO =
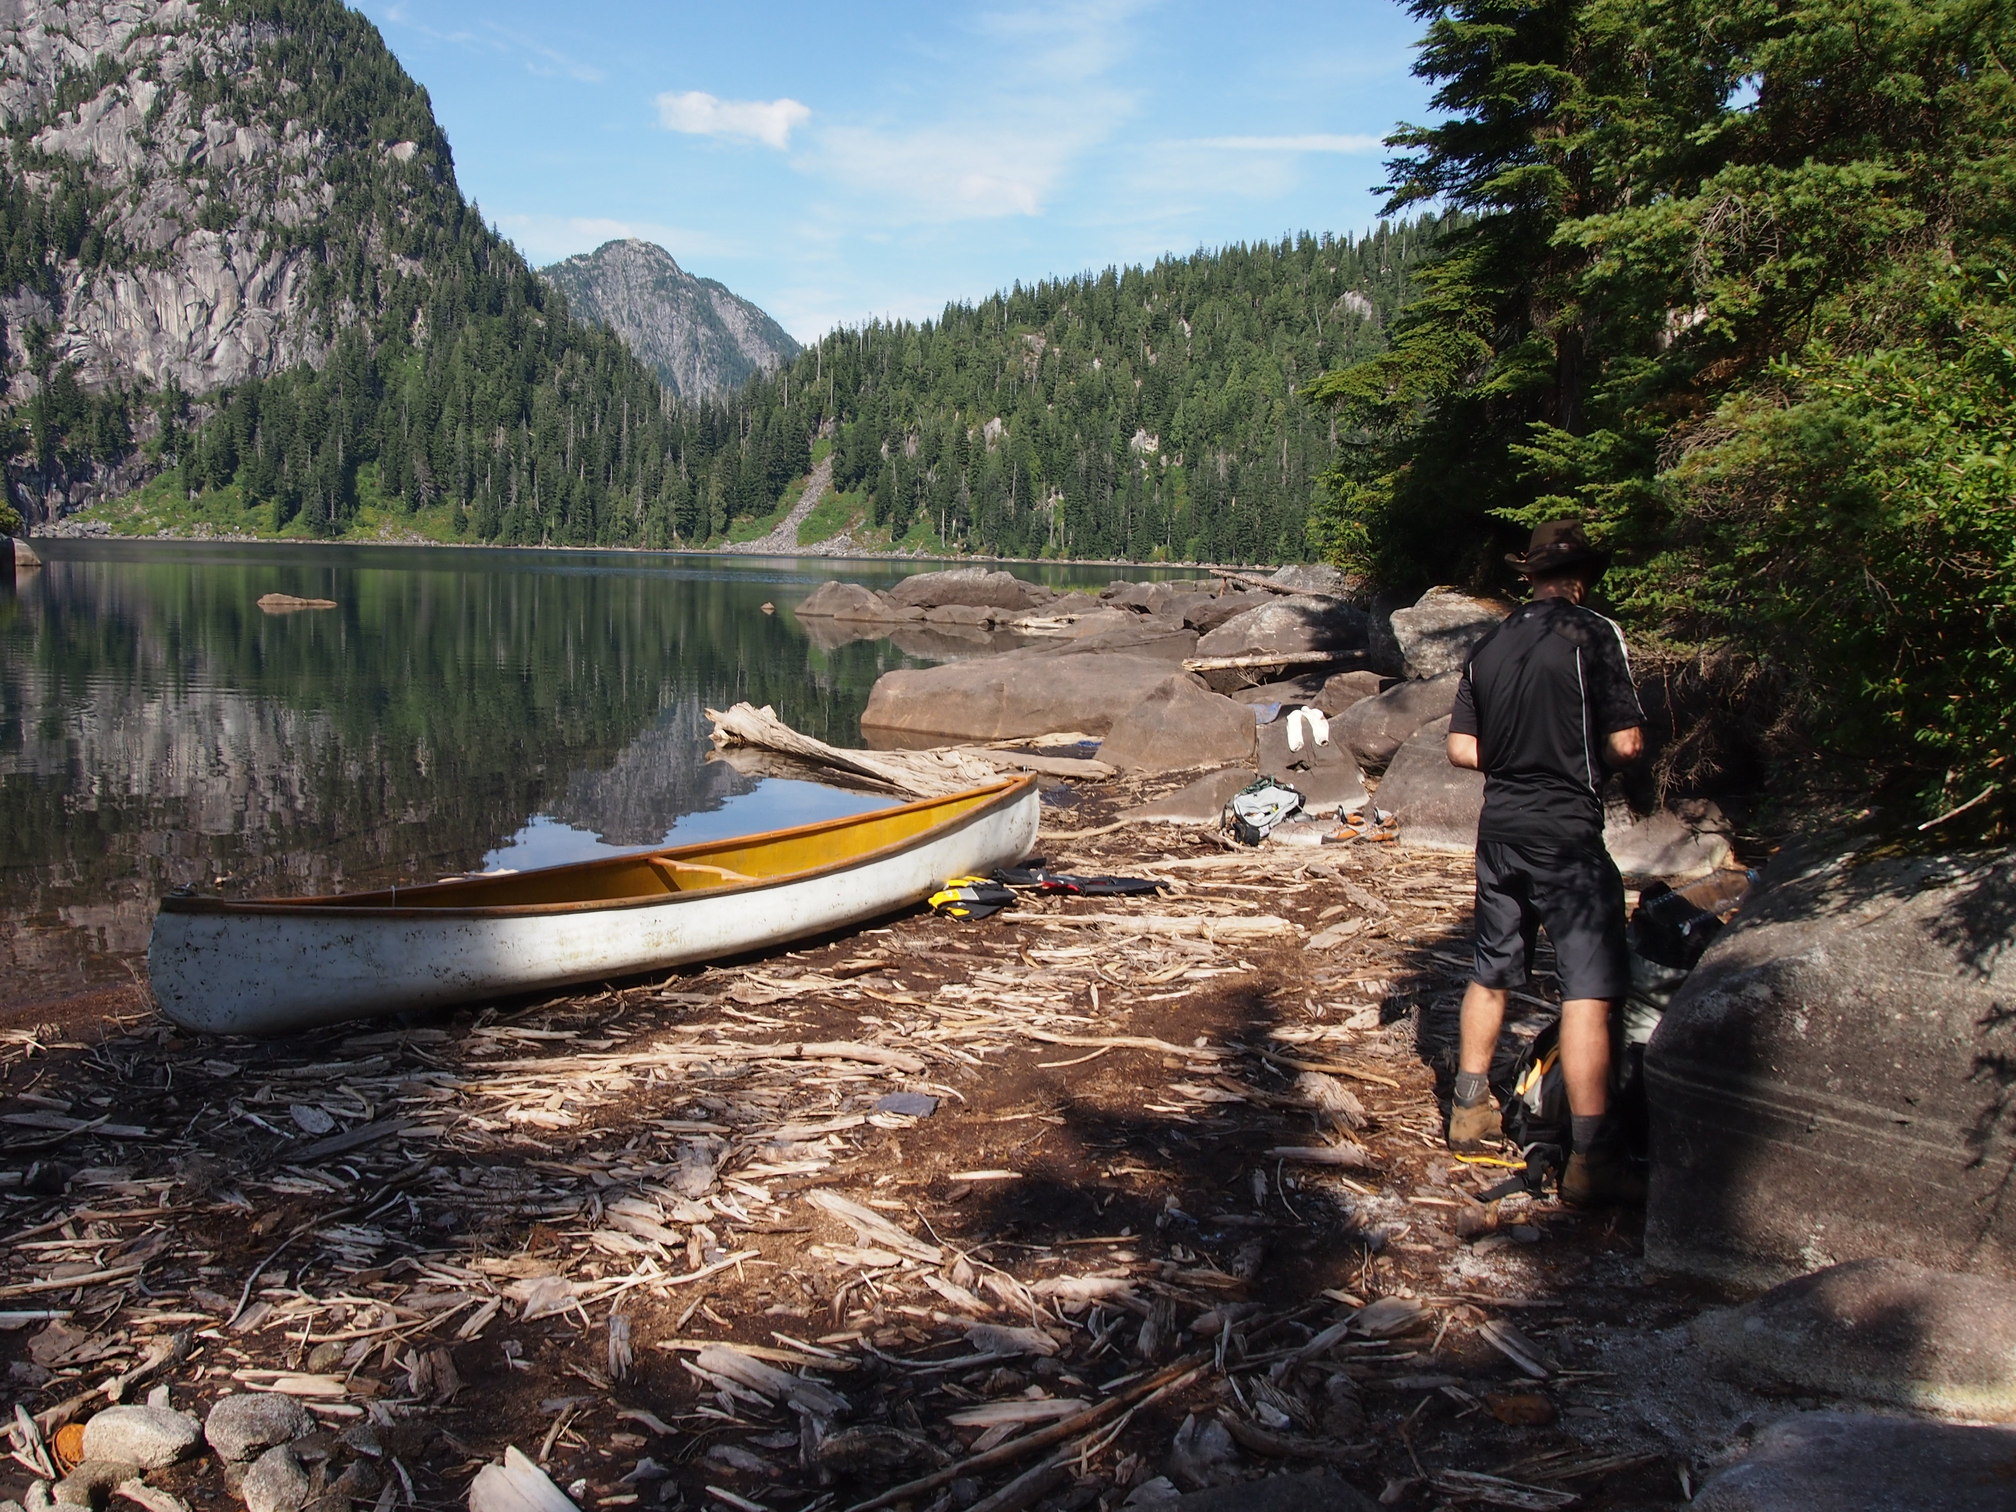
(1585, 1131)
(1472, 1087)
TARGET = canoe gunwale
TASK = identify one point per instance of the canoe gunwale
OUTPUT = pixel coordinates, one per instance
(1005, 794)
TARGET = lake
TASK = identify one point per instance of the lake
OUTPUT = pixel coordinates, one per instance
(460, 709)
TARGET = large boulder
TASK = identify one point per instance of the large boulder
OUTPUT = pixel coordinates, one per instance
(1145, 598)
(1137, 635)
(1668, 845)
(1325, 775)
(1200, 802)
(1342, 690)
(1288, 626)
(1857, 1462)
(1437, 804)
(1006, 697)
(974, 587)
(1834, 1080)
(1435, 636)
(1314, 577)
(1207, 612)
(1179, 725)
(959, 614)
(846, 601)
(1880, 1331)
(1372, 729)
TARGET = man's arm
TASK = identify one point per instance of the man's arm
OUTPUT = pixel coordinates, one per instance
(1462, 742)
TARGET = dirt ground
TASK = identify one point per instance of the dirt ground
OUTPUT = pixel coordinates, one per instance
(1034, 1211)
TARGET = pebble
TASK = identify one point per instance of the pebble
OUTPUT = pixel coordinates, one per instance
(275, 1483)
(241, 1426)
(150, 1437)
(92, 1481)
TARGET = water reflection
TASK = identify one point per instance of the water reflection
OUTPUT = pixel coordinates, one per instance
(457, 709)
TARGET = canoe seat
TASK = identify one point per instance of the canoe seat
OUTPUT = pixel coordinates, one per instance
(690, 876)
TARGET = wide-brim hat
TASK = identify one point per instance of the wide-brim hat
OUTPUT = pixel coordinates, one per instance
(1555, 547)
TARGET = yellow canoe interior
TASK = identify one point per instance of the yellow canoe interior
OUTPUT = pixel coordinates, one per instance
(652, 876)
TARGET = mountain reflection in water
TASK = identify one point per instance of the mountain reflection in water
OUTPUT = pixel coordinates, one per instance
(457, 709)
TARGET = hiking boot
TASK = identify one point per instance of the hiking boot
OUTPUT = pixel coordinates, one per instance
(1601, 1177)
(1475, 1127)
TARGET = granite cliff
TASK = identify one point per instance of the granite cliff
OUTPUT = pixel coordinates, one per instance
(700, 338)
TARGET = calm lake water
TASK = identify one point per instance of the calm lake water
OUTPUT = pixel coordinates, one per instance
(460, 709)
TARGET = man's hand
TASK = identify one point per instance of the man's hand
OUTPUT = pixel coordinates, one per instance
(1462, 750)
(1623, 748)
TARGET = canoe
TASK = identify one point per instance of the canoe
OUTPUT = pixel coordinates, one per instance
(270, 965)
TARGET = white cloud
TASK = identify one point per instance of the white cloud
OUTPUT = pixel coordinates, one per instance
(1310, 142)
(700, 114)
(1013, 130)
(949, 173)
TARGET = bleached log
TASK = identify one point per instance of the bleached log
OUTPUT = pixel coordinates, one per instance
(921, 774)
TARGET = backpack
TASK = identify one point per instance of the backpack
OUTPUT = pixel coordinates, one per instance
(1535, 1110)
(1257, 808)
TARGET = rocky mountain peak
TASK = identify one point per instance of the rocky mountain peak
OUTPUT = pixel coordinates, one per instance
(700, 337)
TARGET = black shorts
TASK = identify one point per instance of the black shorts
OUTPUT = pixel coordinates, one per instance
(1574, 893)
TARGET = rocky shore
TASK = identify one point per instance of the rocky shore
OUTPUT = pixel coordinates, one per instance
(1099, 1203)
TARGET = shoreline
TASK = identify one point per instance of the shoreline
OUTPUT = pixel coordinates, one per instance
(1106, 1124)
(704, 551)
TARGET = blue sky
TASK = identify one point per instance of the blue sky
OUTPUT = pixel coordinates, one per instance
(835, 162)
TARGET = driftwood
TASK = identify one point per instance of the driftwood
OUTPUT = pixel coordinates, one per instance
(1269, 659)
(1254, 580)
(921, 774)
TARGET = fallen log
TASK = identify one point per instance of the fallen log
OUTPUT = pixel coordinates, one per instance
(1270, 659)
(1254, 580)
(921, 774)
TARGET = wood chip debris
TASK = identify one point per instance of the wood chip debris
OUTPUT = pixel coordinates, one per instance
(1000, 1204)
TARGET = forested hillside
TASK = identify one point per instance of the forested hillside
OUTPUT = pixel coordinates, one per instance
(1137, 414)
(1736, 290)
(236, 263)
(234, 250)
(1151, 413)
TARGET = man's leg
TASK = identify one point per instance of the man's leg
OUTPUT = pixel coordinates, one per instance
(1585, 1056)
(1583, 911)
(1505, 926)
(1483, 1018)
(1473, 1116)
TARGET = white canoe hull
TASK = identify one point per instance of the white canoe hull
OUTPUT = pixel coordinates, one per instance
(268, 969)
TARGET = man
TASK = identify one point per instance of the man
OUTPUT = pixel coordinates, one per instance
(1545, 707)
